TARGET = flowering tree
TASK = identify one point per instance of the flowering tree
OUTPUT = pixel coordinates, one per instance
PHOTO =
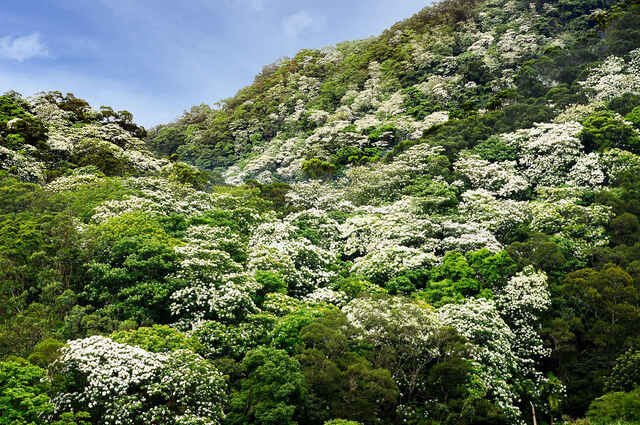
(213, 285)
(121, 384)
(495, 361)
(399, 326)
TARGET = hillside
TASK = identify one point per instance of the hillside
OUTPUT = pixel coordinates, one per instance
(435, 226)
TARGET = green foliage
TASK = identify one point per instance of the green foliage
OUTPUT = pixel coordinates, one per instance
(220, 341)
(625, 375)
(634, 116)
(23, 393)
(131, 259)
(356, 156)
(418, 104)
(186, 174)
(494, 149)
(316, 168)
(124, 119)
(286, 332)
(459, 277)
(273, 193)
(166, 140)
(625, 229)
(563, 96)
(342, 382)
(271, 392)
(597, 324)
(625, 104)
(105, 156)
(434, 195)
(39, 265)
(528, 82)
(355, 286)
(542, 251)
(602, 130)
(622, 27)
(382, 132)
(17, 126)
(616, 406)
(157, 339)
(452, 281)
(271, 283)
(45, 352)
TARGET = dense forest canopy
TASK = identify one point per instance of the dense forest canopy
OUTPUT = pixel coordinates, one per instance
(439, 225)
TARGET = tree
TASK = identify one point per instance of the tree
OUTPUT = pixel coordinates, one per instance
(157, 339)
(272, 391)
(316, 168)
(121, 384)
(602, 309)
(634, 116)
(602, 130)
(129, 260)
(18, 127)
(403, 336)
(341, 381)
(23, 393)
(625, 375)
(617, 406)
(451, 281)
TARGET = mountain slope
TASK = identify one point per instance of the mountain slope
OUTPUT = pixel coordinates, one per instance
(456, 57)
(439, 225)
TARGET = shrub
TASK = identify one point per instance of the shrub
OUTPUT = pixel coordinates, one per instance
(616, 406)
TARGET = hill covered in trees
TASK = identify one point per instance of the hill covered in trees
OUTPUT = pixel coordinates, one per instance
(438, 225)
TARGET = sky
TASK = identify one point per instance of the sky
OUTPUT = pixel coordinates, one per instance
(157, 58)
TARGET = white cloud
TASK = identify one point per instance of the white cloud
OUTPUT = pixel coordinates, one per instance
(22, 47)
(296, 24)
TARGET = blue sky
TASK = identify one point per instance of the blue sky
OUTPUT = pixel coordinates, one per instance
(157, 58)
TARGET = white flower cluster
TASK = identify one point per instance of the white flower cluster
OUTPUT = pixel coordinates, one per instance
(382, 320)
(521, 302)
(283, 247)
(501, 178)
(495, 363)
(500, 216)
(317, 194)
(616, 162)
(327, 296)
(67, 140)
(558, 212)
(73, 181)
(217, 287)
(122, 383)
(410, 329)
(157, 196)
(547, 152)
(614, 78)
(587, 171)
(515, 44)
(23, 165)
(380, 182)
(440, 88)
(384, 241)
(388, 240)
(467, 236)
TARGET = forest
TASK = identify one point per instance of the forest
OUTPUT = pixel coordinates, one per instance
(436, 226)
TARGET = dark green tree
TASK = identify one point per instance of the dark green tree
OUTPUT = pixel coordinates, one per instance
(272, 391)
